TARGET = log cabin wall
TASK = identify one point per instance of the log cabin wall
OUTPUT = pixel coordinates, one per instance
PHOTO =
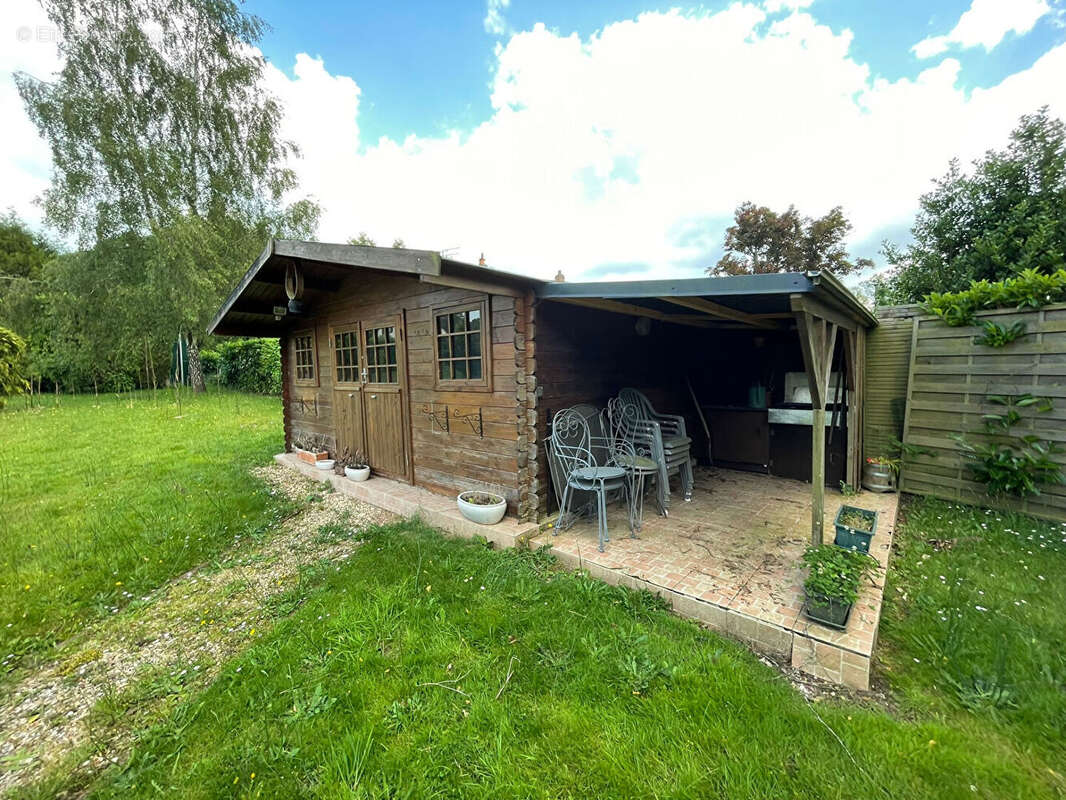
(445, 461)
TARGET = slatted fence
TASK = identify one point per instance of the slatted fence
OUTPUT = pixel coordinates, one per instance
(888, 356)
(950, 380)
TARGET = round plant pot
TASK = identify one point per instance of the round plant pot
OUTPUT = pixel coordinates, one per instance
(878, 477)
(481, 512)
(358, 474)
(326, 463)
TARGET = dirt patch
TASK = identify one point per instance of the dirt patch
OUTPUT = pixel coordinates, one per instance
(175, 639)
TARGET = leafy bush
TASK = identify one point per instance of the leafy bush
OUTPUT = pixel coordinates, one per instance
(836, 572)
(996, 335)
(209, 360)
(1029, 289)
(250, 365)
(1008, 465)
(12, 358)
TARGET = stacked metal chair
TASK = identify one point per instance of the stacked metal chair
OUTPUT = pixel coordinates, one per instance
(660, 437)
(587, 465)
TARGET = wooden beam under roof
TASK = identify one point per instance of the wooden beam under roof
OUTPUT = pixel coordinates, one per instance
(718, 310)
(618, 307)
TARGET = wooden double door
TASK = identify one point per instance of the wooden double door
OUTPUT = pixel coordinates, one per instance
(370, 393)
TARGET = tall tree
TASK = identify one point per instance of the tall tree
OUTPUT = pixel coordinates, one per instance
(158, 121)
(1006, 215)
(761, 240)
(23, 252)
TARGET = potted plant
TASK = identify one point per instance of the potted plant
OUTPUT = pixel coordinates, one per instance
(307, 448)
(354, 466)
(485, 508)
(879, 473)
(832, 585)
(855, 528)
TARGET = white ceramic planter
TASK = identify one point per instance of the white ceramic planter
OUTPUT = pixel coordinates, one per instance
(326, 463)
(357, 474)
(482, 514)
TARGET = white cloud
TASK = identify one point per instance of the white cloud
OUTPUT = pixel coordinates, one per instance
(986, 23)
(774, 6)
(635, 145)
(494, 21)
(25, 162)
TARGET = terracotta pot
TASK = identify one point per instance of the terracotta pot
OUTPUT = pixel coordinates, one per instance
(310, 456)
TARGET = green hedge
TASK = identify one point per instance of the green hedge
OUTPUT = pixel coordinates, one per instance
(250, 365)
(1028, 289)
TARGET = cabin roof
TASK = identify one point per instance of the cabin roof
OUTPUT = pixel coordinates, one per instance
(754, 300)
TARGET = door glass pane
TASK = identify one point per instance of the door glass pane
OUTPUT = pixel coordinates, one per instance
(442, 347)
(475, 319)
(445, 370)
(475, 369)
(474, 344)
(458, 345)
(371, 355)
(442, 324)
(393, 375)
(390, 334)
(392, 354)
(459, 369)
(458, 322)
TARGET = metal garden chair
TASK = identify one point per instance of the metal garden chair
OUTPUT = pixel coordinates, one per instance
(664, 437)
(575, 469)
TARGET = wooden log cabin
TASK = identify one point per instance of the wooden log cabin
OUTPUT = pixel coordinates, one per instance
(445, 375)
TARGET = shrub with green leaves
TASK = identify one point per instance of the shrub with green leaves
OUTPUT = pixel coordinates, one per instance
(12, 363)
(835, 573)
(1028, 289)
(996, 335)
(1006, 464)
(251, 365)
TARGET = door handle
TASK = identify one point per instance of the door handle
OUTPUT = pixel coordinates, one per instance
(373, 397)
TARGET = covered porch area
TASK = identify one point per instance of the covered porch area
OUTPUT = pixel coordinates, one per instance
(730, 559)
(768, 373)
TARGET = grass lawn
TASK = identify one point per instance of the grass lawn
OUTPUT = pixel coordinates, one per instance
(417, 666)
(434, 668)
(104, 499)
(974, 627)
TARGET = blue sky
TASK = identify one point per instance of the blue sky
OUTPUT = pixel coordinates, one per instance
(612, 140)
(426, 67)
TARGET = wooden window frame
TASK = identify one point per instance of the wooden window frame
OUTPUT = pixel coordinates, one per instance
(482, 384)
(296, 379)
(334, 331)
(375, 367)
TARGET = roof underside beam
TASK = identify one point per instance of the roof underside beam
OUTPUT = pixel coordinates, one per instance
(618, 307)
(718, 310)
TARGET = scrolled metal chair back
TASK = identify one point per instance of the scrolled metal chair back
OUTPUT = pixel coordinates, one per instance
(627, 422)
(571, 440)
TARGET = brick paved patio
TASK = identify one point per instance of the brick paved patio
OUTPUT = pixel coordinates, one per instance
(730, 558)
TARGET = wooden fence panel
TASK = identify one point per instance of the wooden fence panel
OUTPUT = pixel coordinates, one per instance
(888, 354)
(950, 380)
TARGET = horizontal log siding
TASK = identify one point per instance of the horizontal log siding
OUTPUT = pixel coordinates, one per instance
(950, 380)
(888, 356)
(445, 462)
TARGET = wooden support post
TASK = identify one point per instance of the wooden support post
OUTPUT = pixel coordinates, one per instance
(817, 341)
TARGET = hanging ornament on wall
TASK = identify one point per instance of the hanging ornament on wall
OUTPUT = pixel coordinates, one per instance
(294, 288)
